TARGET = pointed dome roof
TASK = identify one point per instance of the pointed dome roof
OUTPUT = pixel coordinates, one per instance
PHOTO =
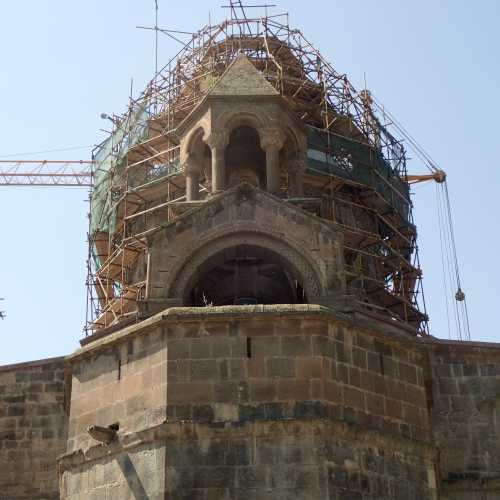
(242, 78)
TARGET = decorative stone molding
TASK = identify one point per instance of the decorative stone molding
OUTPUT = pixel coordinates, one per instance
(302, 266)
(244, 114)
(218, 139)
(272, 138)
(192, 139)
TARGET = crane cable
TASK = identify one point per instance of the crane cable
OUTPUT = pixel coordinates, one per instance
(451, 273)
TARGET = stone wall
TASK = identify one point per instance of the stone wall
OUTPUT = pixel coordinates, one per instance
(240, 402)
(243, 215)
(125, 384)
(303, 460)
(466, 417)
(33, 427)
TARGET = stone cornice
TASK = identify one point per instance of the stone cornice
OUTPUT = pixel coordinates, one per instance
(166, 431)
(250, 312)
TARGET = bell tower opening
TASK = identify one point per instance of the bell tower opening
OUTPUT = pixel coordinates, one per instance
(243, 275)
(245, 159)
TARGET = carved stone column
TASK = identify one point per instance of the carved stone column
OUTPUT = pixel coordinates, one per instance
(218, 141)
(271, 142)
(192, 170)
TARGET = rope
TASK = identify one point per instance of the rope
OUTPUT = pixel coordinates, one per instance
(449, 259)
(443, 263)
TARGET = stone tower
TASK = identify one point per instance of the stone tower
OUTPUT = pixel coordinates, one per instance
(271, 353)
(255, 327)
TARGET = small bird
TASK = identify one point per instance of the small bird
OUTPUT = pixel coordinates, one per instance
(102, 434)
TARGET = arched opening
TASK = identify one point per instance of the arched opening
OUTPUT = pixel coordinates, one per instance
(245, 274)
(245, 159)
(199, 162)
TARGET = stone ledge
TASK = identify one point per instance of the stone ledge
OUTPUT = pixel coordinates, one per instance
(189, 430)
(434, 342)
(471, 482)
(187, 314)
(250, 312)
(32, 364)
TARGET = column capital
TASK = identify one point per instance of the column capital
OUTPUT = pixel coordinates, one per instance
(272, 138)
(218, 138)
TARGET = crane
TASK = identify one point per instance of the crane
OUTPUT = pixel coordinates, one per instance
(65, 173)
(71, 173)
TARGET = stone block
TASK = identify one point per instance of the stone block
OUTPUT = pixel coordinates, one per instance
(367, 382)
(290, 327)
(333, 392)
(263, 390)
(280, 367)
(354, 376)
(309, 368)
(394, 408)
(296, 346)
(342, 371)
(293, 390)
(354, 398)
(266, 346)
(375, 404)
(408, 373)
(238, 368)
(256, 367)
(324, 346)
(200, 348)
(239, 347)
(225, 392)
(214, 477)
(374, 362)
(203, 370)
(190, 392)
(359, 358)
(221, 347)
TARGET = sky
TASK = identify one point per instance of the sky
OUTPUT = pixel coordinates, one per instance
(432, 63)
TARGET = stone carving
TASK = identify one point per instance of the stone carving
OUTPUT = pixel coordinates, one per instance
(218, 139)
(250, 236)
(272, 138)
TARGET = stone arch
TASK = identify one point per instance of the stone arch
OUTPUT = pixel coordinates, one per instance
(242, 116)
(245, 158)
(186, 273)
(193, 142)
(293, 138)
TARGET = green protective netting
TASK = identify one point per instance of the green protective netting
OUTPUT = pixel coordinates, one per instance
(352, 160)
(109, 174)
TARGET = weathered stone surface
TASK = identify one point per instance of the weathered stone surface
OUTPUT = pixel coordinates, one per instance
(464, 402)
(34, 399)
(264, 388)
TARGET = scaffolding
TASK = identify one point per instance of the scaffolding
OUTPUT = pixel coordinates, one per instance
(356, 172)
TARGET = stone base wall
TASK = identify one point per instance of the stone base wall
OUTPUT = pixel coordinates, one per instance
(465, 380)
(291, 399)
(33, 428)
(300, 460)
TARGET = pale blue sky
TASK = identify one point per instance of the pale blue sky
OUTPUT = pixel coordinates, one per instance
(434, 64)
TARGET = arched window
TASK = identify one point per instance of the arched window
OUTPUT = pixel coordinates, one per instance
(245, 159)
(245, 274)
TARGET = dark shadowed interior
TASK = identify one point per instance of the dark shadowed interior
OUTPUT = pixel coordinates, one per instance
(246, 274)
